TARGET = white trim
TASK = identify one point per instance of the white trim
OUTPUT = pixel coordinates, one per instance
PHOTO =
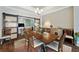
(54, 9)
(68, 36)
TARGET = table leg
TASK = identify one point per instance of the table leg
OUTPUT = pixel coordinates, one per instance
(43, 48)
(1, 42)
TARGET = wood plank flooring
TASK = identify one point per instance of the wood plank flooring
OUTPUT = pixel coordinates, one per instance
(10, 47)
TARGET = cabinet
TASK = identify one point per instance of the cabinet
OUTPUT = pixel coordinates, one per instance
(10, 22)
(14, 24)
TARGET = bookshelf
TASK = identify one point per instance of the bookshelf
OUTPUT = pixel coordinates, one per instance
(11, 22)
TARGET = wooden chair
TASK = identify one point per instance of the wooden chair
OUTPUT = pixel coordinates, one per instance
(60, 47)
(57, 45)
(27, 36)
(37, 41)
(69, 35)
(32, 41)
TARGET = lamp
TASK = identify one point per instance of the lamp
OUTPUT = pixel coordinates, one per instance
(46, 35)
(47, 24)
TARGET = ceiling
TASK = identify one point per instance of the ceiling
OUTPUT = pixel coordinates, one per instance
(40, 7)
(46, 9)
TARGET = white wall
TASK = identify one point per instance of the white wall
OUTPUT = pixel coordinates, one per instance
(62, 18)
(1, 10)
(76, 23)
(76, 18)
(15, 11)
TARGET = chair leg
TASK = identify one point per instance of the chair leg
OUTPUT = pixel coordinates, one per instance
(72, 42)
(28, 46)
(61, 48)
(43, 48)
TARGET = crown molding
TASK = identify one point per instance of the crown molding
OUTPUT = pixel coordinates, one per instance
(54, 9)
(31, 10)
(16, 10)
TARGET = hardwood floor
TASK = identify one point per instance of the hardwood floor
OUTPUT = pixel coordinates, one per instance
(11, 47)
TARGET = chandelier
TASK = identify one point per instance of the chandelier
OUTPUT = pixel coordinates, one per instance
(38, 11)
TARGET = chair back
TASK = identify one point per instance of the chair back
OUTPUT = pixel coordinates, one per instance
(60, 47)
(27, 34)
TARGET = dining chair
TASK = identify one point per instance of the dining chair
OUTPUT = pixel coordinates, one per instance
(36, 40)
(59, 33)
(27, 36)
(36, 43)
(69, 35)
(57, 45)
(32, 40)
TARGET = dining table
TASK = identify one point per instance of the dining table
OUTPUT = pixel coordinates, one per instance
(46, 39)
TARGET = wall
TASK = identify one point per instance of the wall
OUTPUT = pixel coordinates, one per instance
(1, 21)
(76, 23)
(62, 18)
(76, 18)
(15, 11)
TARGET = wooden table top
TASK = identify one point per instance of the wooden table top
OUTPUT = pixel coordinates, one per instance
(46, 40)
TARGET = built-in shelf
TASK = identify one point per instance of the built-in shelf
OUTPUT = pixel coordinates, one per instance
(11, 22)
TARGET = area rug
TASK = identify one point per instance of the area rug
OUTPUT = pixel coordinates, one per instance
(20, 43)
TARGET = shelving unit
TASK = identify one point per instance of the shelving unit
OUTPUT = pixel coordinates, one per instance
(36, 24)
(20, 26)
(11, 22)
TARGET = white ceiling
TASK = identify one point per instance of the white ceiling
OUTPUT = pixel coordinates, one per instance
(40, 7)
(46, 9)
(32, 8)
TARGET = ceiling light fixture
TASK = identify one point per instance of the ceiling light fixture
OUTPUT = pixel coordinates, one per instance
(38, 11)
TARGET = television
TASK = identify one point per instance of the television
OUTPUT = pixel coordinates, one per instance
(21, 25)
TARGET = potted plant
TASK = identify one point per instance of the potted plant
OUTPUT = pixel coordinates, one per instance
(77, 38)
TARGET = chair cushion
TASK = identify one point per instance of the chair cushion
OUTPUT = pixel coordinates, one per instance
(37, 43)
(53, 45)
